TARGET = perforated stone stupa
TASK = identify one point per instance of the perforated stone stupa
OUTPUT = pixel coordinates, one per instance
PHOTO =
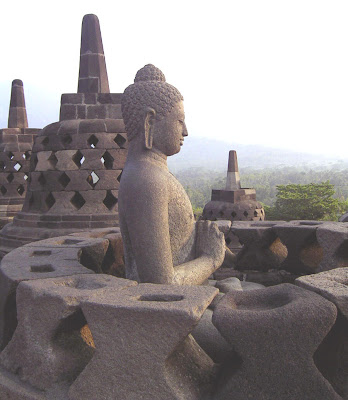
(234, 203)
(76, 163)
(16, 143)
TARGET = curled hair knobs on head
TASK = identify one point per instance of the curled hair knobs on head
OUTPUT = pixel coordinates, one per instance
(149, 73)
(149, 90)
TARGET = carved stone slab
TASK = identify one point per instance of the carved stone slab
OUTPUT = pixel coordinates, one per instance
(275, 331)
(144, 349)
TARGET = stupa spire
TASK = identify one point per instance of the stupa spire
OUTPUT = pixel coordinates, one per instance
(93, 77)
(17, 116)
(233, 178)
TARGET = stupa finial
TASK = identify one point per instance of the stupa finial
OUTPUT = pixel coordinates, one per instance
(17, 117)
(233, 179)
(93, 77)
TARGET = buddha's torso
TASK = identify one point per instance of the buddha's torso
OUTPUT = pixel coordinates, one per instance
(180, 215)
(181, 222)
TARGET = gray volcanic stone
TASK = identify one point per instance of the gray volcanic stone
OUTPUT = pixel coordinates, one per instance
(344, 217)
(17, 117)
(331, 284)
(234, 203)
(233, 283)
(113, 261)
(304, 252)
(162, 242)
(15, 151)
(275, 331)
(31, 263)
(91, 251)
(268, 278)
(206, 334)
(210, 339)
(224, 226)
(261, 247)
(144, 349)
(93, 77)
(52, 342)
(228, 284)
(333, 238)
(251, 286)
(13, 389)
(94, 251)
(333, 354)
(76, 163)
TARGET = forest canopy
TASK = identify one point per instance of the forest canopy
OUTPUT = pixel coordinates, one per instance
(331, 189)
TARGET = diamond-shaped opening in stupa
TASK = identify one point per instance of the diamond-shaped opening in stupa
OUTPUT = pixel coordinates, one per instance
(64, 180)
(92, 141)
(17, 166)
(119, 176)
(77, 201)
(120, 140)
(78, 158)
(93, 179)
(50, 200)
(26, 155)
(42, 179)
(66, 139)
(110, 200)
(107, 160)
(20, 190)
(53, 159)
(10, 177)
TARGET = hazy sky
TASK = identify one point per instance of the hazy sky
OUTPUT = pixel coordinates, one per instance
(271, 72)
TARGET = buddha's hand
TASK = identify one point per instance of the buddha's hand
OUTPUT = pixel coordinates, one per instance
(210, 242)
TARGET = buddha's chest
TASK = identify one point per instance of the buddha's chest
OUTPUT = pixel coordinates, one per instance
(181, 220)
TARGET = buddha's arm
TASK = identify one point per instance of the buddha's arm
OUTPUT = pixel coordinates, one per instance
(148, 229)
(210, 251)
(194, 272)
(147, 223)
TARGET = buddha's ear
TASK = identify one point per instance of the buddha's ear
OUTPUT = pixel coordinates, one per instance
(150, 116)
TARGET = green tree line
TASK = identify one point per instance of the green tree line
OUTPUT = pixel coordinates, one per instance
(198, 183)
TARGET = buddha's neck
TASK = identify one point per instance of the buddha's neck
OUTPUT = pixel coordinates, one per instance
(138, 152)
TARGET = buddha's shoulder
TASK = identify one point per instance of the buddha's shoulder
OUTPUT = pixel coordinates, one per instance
(144, 173)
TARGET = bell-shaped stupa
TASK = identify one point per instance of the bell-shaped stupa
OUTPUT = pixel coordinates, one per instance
(16, 143)
(76, 163)
(234, 203)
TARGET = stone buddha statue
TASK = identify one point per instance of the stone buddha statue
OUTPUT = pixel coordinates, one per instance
(162, 241)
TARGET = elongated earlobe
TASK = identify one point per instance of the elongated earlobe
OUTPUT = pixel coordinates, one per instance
(148, 127)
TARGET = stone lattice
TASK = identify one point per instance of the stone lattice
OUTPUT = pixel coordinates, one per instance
(76, 163)
(16, 143)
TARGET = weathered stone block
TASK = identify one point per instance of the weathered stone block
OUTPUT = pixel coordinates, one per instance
(275, 331)
(63, 334)
(96, 112)
(72, 98)
(28, 263)
(67, 111)
(120, 369)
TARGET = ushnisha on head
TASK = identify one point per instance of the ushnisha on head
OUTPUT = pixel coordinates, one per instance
(153, 112)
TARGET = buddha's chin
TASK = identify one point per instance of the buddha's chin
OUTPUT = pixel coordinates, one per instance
(178, 149)
(174, 151)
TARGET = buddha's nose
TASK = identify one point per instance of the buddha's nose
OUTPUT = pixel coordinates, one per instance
(184, 132)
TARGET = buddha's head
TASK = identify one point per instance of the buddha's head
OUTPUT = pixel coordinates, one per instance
(153, 112)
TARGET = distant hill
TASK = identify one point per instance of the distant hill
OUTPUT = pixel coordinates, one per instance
(213, 155)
